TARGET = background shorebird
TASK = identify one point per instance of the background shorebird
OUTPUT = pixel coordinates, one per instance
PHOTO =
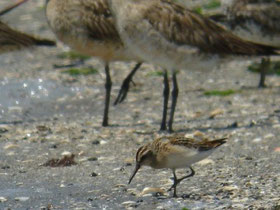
(253, 20)
(87, 26)
(11, 39)
(174, 152)
(169, 35)
(10, 7)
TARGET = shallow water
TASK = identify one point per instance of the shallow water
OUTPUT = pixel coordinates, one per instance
(33, 99)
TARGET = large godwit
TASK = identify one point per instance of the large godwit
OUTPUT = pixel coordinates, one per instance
(88, 27)
(167, 34)
(253, 20)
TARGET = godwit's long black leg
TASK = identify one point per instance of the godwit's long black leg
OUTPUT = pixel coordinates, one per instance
(125, 85)
(165, 101)
(108, 86)
(175, 93)
(265, 63)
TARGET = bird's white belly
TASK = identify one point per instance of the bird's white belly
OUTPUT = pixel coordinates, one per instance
(185, 159)
(152, 47)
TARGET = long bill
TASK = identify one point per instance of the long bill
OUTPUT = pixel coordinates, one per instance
(9, 8)
(134, 172)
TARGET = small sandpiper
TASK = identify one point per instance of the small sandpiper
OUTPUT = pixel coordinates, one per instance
(174, 152)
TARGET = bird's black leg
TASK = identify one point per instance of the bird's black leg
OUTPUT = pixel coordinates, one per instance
(189, 175)
(176, 181)
(125, 85)
(175, 93)
(265, 63)
(108, 86)
(165, 101)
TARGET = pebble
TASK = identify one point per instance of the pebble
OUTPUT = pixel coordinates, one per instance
(22, 198)
(83, 159)
(15, 109)
(119, 186)
(152, 190)
(216, 112)
(206, 162)
(276, 126)
(66, 153)
(230, 188)
(129, 204)
(270, 135)
(10, 146)
(103, 142)
(117, 169)
(256, 140)
(3, 199)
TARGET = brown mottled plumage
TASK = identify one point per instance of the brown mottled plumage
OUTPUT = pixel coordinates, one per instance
(167, 34)
(174, 152)
(183, 27)
(87, 26)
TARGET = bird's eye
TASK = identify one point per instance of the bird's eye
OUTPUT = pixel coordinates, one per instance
(145, 156)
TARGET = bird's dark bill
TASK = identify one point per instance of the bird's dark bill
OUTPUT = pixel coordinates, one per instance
(134, 172)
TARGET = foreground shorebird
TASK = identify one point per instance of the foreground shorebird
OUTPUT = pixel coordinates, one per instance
(174, 152)
(253, 20)
(11, 39)
(169, 35)
(87, 26)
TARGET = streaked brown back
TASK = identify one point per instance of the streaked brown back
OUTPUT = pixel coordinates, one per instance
(200, 145)
(184, 27)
